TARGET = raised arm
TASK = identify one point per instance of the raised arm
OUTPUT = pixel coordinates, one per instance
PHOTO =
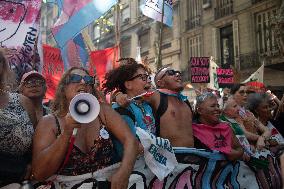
(48, 149)
(118, 127)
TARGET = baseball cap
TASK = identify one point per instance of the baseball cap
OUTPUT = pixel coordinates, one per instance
(30, 74)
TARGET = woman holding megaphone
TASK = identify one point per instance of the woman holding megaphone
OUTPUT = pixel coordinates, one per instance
(93, 149)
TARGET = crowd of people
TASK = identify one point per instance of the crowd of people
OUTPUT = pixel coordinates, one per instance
(34, 138)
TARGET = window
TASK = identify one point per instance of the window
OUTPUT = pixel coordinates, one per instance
(125, 15)
(223, 8)
(144, 41)
(194, 46)
(194, 14)
(126, 47)
(111, 20)
(96, 31)
(227, 46)
(266, 43)
(167, 34)
(140, 4)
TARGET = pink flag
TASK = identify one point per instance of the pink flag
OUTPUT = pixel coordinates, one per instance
(218, 137)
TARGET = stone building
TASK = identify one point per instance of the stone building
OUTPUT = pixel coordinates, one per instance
(237, 33)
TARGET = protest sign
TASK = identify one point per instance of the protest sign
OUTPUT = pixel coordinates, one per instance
(225, 77)
(200, 69)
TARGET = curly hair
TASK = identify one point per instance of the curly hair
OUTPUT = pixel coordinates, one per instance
(59, 106)
(115, 79)
(6, 73)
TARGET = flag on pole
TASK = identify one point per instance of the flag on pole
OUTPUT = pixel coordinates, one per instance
(213, 75)
(76, 15)
(75, 53)
(256, 76)
(52, 69)
(153, 9)
(103, 61)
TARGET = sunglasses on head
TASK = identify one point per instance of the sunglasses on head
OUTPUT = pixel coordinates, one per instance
(75, 78)
(144, 77)
(171, 73)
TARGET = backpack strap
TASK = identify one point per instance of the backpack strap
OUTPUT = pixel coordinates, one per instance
(188, 104)
(163, 106)
(124, 111)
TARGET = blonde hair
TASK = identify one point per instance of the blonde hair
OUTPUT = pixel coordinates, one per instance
(59, 105)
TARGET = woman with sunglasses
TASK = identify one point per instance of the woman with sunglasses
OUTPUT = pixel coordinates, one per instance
(132, 79)
(93, 148)
(17, 123)
(255, 131)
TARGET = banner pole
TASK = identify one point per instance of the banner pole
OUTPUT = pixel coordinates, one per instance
(159, 63)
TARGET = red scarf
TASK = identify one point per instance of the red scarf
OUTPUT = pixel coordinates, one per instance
(218, 137)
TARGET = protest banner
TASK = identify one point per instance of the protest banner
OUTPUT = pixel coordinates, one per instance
(53, 69)
(225, 77)
(197, 168)
(19, 22)
(199, 69)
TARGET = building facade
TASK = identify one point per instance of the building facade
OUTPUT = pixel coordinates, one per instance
(237, 33)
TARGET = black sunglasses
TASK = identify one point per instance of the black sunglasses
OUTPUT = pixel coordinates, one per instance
(34, 83)
(144, 77)
(75, 78)
(170, 73)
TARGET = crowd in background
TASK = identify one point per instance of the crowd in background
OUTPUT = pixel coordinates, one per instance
(34, 138)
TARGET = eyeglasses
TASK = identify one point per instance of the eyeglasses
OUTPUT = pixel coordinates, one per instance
(144, 77)
(170, 73)
(33, 83)
(75, 78)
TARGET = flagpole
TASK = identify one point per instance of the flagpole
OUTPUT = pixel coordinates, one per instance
(159, 63)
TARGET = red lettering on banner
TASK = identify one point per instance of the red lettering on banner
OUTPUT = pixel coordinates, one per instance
(226, 72)
(200, 79)
(223, 80)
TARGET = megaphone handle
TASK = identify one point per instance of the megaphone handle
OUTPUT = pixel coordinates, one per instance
(74, 132)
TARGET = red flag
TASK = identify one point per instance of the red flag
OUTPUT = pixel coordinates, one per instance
(53, 69)
(102, 61)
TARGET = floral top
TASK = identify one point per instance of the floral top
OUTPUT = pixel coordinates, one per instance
(16, 128)
(100, 156)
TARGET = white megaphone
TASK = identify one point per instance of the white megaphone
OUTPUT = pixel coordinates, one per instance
(84, 108)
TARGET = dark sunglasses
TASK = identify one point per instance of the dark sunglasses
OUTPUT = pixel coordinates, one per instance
(144, 77)
(34, 83)
(171, 73)
(75, 78)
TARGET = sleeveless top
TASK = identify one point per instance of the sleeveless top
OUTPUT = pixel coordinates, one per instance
(100, 156)
(16, 130)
